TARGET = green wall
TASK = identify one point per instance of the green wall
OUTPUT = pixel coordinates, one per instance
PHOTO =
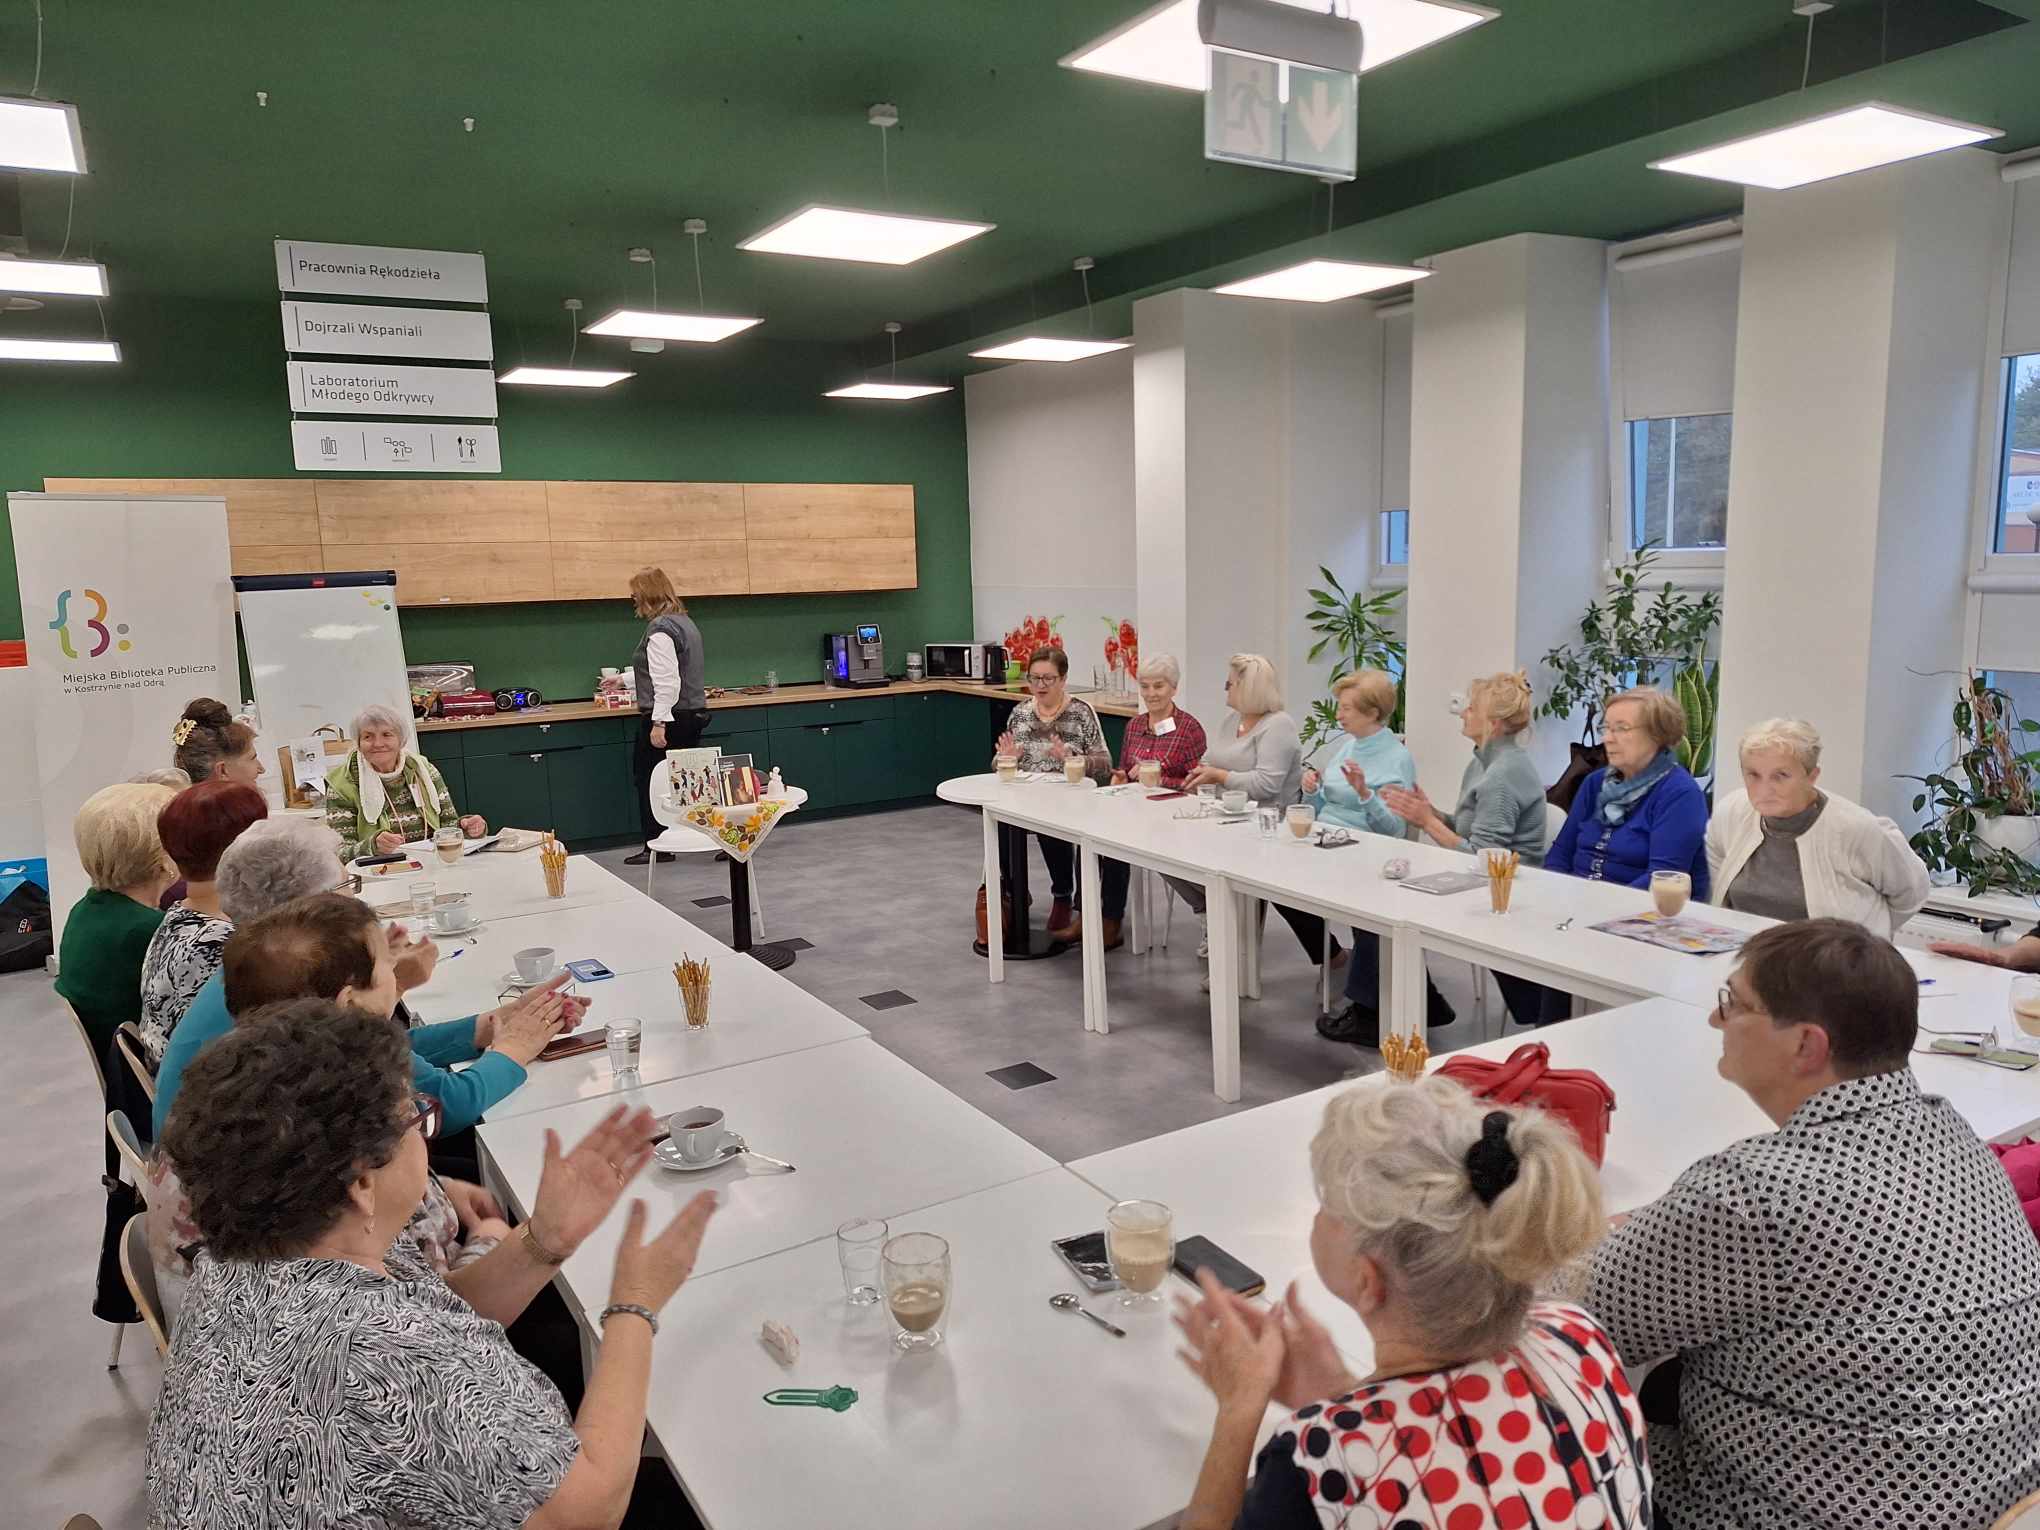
(201, 394)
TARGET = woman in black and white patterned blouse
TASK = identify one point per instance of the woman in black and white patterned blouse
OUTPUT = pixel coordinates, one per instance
(196, 827)
(320, 1373)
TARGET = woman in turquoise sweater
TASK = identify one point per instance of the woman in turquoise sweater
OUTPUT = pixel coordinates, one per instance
(1368, 761)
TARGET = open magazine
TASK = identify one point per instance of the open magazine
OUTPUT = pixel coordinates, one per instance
(1696, 937)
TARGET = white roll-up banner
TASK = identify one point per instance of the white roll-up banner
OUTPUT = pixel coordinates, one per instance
(127, 606)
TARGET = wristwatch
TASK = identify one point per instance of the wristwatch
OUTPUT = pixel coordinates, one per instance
(538, 1250)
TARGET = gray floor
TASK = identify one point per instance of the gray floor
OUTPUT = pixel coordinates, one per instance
(886, 899)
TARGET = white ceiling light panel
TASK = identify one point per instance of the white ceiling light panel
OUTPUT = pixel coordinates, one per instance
(563, 377)
(1041, 348)
(58, 350)
(1161, 45)
(845, 233)
(700, 328)
(1323, 281)
(55, 278)
(1821, 148)
(888, 390)
(40, 135)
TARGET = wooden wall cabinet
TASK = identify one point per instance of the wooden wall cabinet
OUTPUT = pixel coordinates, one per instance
(493, 541)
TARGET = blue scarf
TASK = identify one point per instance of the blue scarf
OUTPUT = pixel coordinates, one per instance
(1619, 796)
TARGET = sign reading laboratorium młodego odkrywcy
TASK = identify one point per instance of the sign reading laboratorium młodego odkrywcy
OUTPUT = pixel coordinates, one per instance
(364, 384)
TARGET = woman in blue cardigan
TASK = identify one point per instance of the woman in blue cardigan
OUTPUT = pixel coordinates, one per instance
(1643, 813)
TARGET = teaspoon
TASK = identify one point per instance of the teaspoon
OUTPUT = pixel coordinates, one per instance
(1066, 1301)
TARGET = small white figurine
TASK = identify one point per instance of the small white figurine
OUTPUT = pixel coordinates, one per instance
(775, 784)
(780, 1340)
(1395, 868)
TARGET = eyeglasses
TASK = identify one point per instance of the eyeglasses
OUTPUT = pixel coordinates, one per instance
(1620, 729)
(1727, 1003)
(426, 1114)
(1043, 679)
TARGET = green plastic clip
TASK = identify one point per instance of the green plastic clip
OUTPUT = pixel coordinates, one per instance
(835, 1399)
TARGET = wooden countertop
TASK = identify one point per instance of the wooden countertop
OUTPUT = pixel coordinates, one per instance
(582, 711)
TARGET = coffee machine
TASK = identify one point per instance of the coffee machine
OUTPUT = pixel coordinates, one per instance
(854, 658)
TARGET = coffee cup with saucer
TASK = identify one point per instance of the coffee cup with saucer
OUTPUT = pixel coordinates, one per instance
(535, 965)
(698, 1139)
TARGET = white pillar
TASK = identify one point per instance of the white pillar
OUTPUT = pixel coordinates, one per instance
(1256, 459)
(1508, 476)
(1859, 342)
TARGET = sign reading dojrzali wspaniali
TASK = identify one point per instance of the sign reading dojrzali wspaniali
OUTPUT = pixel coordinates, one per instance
(394, 446)
(373, 387)
(362, 329)
(373, 270)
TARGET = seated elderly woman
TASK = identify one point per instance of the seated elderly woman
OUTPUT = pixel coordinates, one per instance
(107, 932)
(383, 796)
(1784, 848)
(281, 860)
(1640, 815)
(196, 828)
(1163, 744)
(1438, 1219)
(1257, 750)
(302, 1147)
(1349, 793)
(1048, 728)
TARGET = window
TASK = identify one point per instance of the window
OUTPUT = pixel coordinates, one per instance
(1678, 482)
(1395, 537)
(2016, 528)
(1672, 303)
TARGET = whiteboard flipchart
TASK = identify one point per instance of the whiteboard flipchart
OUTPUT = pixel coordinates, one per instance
(320, 648)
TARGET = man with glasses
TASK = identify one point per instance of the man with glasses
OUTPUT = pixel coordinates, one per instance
(1851, 1302)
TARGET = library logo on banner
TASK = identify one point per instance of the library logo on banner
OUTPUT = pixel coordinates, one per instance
(92, 641)
(94, 624)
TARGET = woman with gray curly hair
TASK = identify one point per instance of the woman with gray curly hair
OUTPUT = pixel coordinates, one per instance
(1784, 848)
(1438, 1218)
(384, 795)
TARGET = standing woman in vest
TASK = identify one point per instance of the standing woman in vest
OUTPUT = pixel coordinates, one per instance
(672, 706)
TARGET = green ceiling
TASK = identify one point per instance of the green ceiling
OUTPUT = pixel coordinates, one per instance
(604, 123)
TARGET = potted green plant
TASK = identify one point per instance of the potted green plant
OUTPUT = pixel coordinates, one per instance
(1983, 828)
(1355, 628)
(1630, 637)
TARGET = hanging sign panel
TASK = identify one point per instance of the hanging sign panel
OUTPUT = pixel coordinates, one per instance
(394, 446)
(373, 270)
(1282, 116)
(367, 387)
(359, 329)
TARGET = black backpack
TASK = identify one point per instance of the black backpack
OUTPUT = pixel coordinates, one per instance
(24, 928)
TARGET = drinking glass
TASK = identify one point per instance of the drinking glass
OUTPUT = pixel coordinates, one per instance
(626, 1042)
(1270, 820)
(1500, 866)
(2024, 1004)
(1301, 816)
(1140, 1240)
(915, 1267)
(423, 895)
(447, 841)
(1669, 890)
(858, 1242)
(771, 679)
(1150, 772)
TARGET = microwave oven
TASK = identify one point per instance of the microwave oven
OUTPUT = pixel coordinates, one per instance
(953, 661)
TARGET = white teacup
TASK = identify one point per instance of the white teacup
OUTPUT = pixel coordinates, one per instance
(451, 914)
(1234, 801)
(534, 964)
(697, 1132)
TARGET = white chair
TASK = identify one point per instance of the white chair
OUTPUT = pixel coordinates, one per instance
(2023, 1515)
(128, 1042)
(140, 1275)
(122, 1131)
(678, 840)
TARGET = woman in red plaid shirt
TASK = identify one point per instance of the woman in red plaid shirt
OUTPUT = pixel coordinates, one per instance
(1173, 739)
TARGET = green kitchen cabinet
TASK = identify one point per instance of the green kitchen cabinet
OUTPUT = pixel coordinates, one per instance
(755, 742)
(806, 758)
(510, 790)
(441, 745)
(867, 762)
(1114, 729)
(593, 794)
(923, 754)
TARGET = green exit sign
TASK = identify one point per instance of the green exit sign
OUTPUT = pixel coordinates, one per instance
(1280, 116)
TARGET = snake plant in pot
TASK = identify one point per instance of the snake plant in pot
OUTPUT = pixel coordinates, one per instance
(1984, 827)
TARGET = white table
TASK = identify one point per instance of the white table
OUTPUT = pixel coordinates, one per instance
(871, 1136)
(502, 885)
(751, 1016)
(1024, 1417)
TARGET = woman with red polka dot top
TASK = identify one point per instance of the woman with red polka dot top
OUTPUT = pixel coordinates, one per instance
(1485, 1409)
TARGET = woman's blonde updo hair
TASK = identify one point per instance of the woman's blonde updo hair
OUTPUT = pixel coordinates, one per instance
(206, 735)
(1503, 700)
(1390, 1162)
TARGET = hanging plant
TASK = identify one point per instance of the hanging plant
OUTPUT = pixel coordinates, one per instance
(1993, 778)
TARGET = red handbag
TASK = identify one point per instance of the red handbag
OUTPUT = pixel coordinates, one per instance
(1578, 1096)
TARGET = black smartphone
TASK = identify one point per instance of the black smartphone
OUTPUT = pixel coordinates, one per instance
(1194, 1254)
(382, 860)
(1086, 1257)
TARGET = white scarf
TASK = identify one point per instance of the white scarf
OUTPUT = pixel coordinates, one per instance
(374, 796)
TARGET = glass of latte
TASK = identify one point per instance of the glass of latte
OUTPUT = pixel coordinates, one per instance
(915, 1270)
(1140, 1240)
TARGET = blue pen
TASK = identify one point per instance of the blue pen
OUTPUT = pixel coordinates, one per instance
(456, 951)
(1928, 982)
